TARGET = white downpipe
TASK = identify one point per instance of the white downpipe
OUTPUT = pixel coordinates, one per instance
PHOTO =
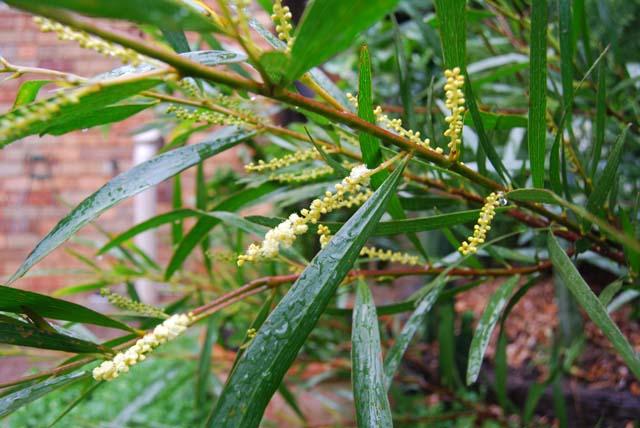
(144, 207)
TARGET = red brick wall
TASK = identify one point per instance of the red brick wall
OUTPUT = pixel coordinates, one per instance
(80, 162)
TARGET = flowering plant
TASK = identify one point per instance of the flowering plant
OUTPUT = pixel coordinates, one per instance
(357, 197)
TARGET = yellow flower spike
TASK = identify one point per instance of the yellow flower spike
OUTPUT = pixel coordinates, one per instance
(488, 211)
(210, 117)
(325, 235)
(455, 103)
(281, 17)
(121, 362)
(15, 122)
(390, 256)
(87, 41)
(130, 305)
(300, 177)
(287, 160)
(394, 124)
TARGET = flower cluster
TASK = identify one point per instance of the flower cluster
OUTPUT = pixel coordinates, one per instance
(13, 124)
(325, 235)
(88, 41)
(121, 363)
(347, 193)
(189, 87)
(372, 252)
(213, 118)
(130, 305)
(390, 256)
(282, 18)
(488, 211)
(455, 103)
(300, 177)
(395, 125)
(286, 160)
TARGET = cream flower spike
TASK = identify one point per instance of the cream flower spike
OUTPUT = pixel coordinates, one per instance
(168, 330)
(87, 41)
(483, 226)
(284, 161)
(455, 103)
(372, 252)
(347, 193)
(281, 17)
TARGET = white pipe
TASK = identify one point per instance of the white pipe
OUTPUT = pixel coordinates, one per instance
(144, 207)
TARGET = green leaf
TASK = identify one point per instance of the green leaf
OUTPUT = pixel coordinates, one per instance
(369, 145)
(548, 197)
(152, 223)
(566, 55)
(79, 288)
(499, 121)
(91, 118)
(605, 181)
(28, 91)
(205, 224)
(369, 392)
(591, 304)
(204, 362)
(537, 135)
(533, 195)
(91, 387)
(452, 19)
(270, 354)
(330, 26)
(126, 185)
(601, 116)
(22, 334)
(485, 327)
(609, 292)
(177, 40)
(12, 402)
(109, 93)
(290, 399)
(15, 300)
(415, 321)
(170, 14)
(210, 58)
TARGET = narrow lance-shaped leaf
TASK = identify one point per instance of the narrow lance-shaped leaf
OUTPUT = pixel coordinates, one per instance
(330, 26)
(415, 321)
(591, 304)
(22, 334)
(566, 54)
(11, 402)
(605, 181)
(548, 197)
(204, 362)
(90, 99)
(270, 354)
(16, 301)
(170, 14)
(537, 128)
(485, 327)
(125, 185)
(601, 116)
(369, 392)
(28, 91)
